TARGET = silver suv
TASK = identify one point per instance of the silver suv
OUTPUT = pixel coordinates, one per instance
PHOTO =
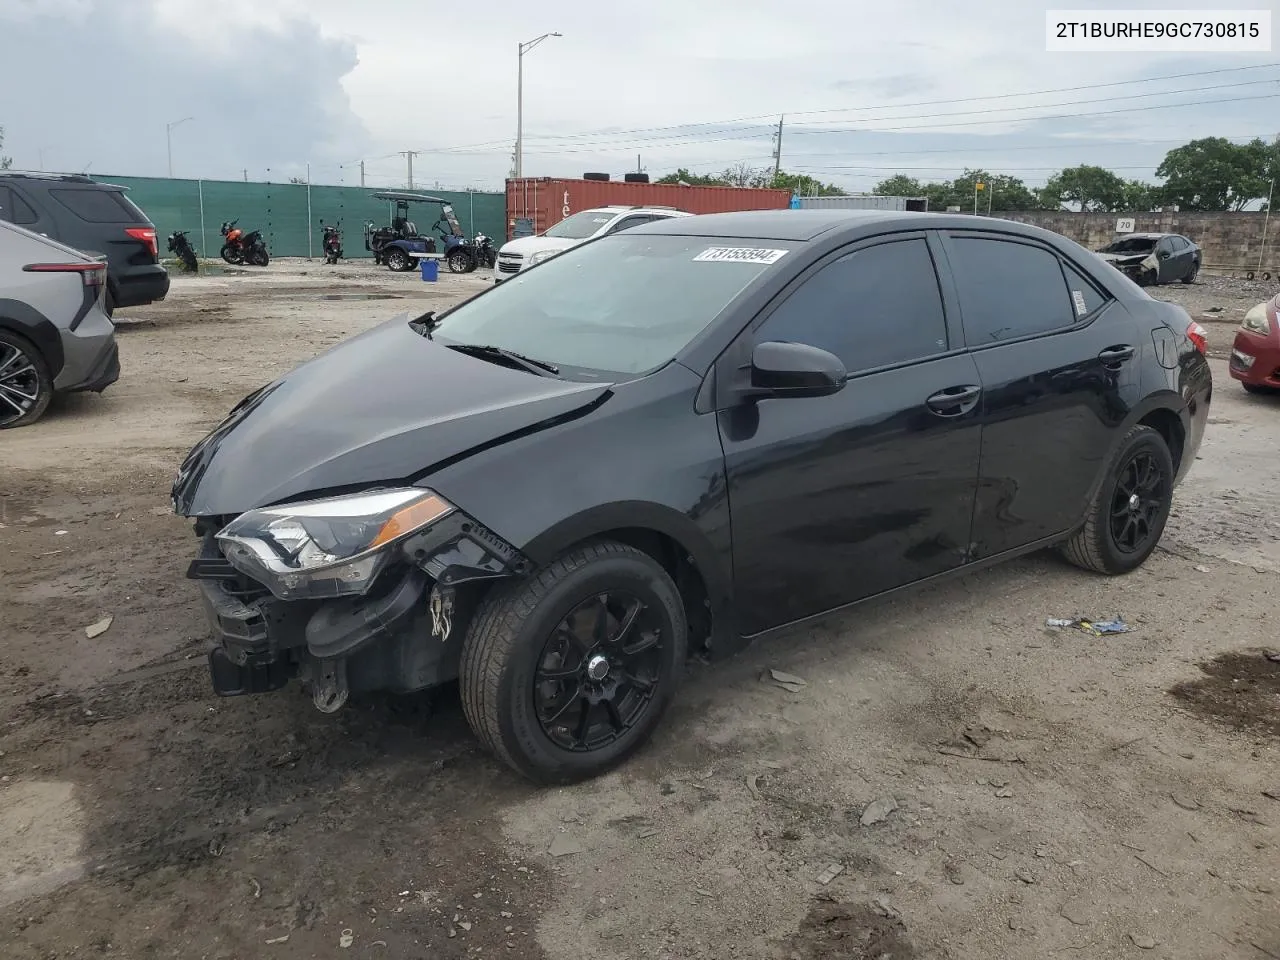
(55, 336)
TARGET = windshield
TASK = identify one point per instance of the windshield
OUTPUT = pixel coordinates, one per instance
(622, 305)
(580, 225)
(1131, 245)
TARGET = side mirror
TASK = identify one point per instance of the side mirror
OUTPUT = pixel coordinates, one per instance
(784, 369)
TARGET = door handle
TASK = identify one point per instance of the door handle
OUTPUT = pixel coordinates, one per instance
(954, 401)
(1114, 356)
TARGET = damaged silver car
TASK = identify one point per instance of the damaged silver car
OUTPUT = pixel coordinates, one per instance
(1150, 259)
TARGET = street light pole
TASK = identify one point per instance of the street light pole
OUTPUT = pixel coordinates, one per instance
(522, 49)
(168, 136)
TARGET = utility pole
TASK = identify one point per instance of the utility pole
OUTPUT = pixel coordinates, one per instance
(777, 150)
(409, 155)
(639, 169)
(246, 174)
(168, 137)
(523, 48)
(362, 173)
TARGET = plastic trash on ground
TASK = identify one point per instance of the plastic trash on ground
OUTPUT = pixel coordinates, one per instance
(1097, 628)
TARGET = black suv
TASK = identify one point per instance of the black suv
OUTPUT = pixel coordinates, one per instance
(96, 218)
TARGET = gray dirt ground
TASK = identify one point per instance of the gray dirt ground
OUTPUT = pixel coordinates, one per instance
(1046, 794)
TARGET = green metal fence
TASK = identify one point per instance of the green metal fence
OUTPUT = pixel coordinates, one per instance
(280, 211)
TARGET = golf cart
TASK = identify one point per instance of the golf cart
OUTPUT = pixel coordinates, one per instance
(401, 245)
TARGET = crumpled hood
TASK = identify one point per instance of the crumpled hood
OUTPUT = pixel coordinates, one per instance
(386, 405)
(1129, 259)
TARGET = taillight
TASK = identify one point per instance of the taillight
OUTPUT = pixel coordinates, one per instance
(147, 235)
(92, 274)
(1199, 336)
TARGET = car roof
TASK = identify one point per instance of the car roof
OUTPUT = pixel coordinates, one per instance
(1145, 236)
(642, 208)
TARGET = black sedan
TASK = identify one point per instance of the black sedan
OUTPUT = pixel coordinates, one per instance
(672, 441)
(1154, 258)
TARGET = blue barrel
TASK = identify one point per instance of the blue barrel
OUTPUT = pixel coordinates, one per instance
(430, 269)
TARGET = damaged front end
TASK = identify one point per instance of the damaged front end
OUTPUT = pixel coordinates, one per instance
(351, 594)
(1142, 269)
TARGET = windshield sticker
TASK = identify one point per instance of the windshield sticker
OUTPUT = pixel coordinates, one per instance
(739, 255)
(1078, 298)
(601, 219)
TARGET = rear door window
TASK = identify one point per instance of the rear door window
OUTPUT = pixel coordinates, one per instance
(1008, 289)
(99, 206)
(878, 306)
(1085, 298)
(14, 209)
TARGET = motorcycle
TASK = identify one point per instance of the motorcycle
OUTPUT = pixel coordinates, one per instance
(181, 247)
(486, 252)
(243, 247)
(332, 242)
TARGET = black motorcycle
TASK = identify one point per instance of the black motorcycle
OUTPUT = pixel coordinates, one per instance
(486, 252)
(243, 247)
(332, 242)
(181, 247)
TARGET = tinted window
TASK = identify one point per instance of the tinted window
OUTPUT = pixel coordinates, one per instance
(1085, 297)
(14, 209)
(628, 222)
(1179, 243)
(874, 307)
(1008, 289)
(97, 206)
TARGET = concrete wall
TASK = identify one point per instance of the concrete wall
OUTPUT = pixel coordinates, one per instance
(1229, 240)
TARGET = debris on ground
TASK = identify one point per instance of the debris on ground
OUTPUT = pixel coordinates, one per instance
(829, 873)
(284, 939)
(1142, 942)
(788, 681)
(564, 845)
(877, 811)
(1201, 568)
(1097, 628)
(99, 628)
(1273, 656)
(346, 938)
(753, 786)
(1186, 803)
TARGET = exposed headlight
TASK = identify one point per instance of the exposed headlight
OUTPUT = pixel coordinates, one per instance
(1257, 321)
(540, 256)
(327, 548)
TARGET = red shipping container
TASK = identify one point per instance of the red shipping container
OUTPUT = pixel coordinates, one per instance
(547, 201)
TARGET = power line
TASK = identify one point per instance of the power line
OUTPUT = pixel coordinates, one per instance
(923, 103)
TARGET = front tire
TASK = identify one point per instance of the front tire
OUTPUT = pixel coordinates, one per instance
(230, 254)
(25, 384)
(1129, 512)
(567, 672)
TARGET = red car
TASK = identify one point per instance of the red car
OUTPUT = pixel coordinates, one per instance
(1255, 355)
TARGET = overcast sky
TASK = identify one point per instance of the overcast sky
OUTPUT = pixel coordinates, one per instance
(273, 84)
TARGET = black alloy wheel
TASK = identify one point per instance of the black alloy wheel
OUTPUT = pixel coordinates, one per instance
(398, 260)
(598, 671)
(25, 384)
(1127, 516)
(568, 670)
(460, 261)
(1136, 504)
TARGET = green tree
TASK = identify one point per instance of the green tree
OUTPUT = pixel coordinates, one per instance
(1212, 173)
(999, 192)
(5, 162)
(1140, 197)
(693, 179)
(1091, 188)
(899, 185)
(803, 185)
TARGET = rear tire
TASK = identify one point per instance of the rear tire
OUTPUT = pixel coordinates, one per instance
(1191, 277)
(26, 386)
(399, 261)
(1120, 533)
(526, 630)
